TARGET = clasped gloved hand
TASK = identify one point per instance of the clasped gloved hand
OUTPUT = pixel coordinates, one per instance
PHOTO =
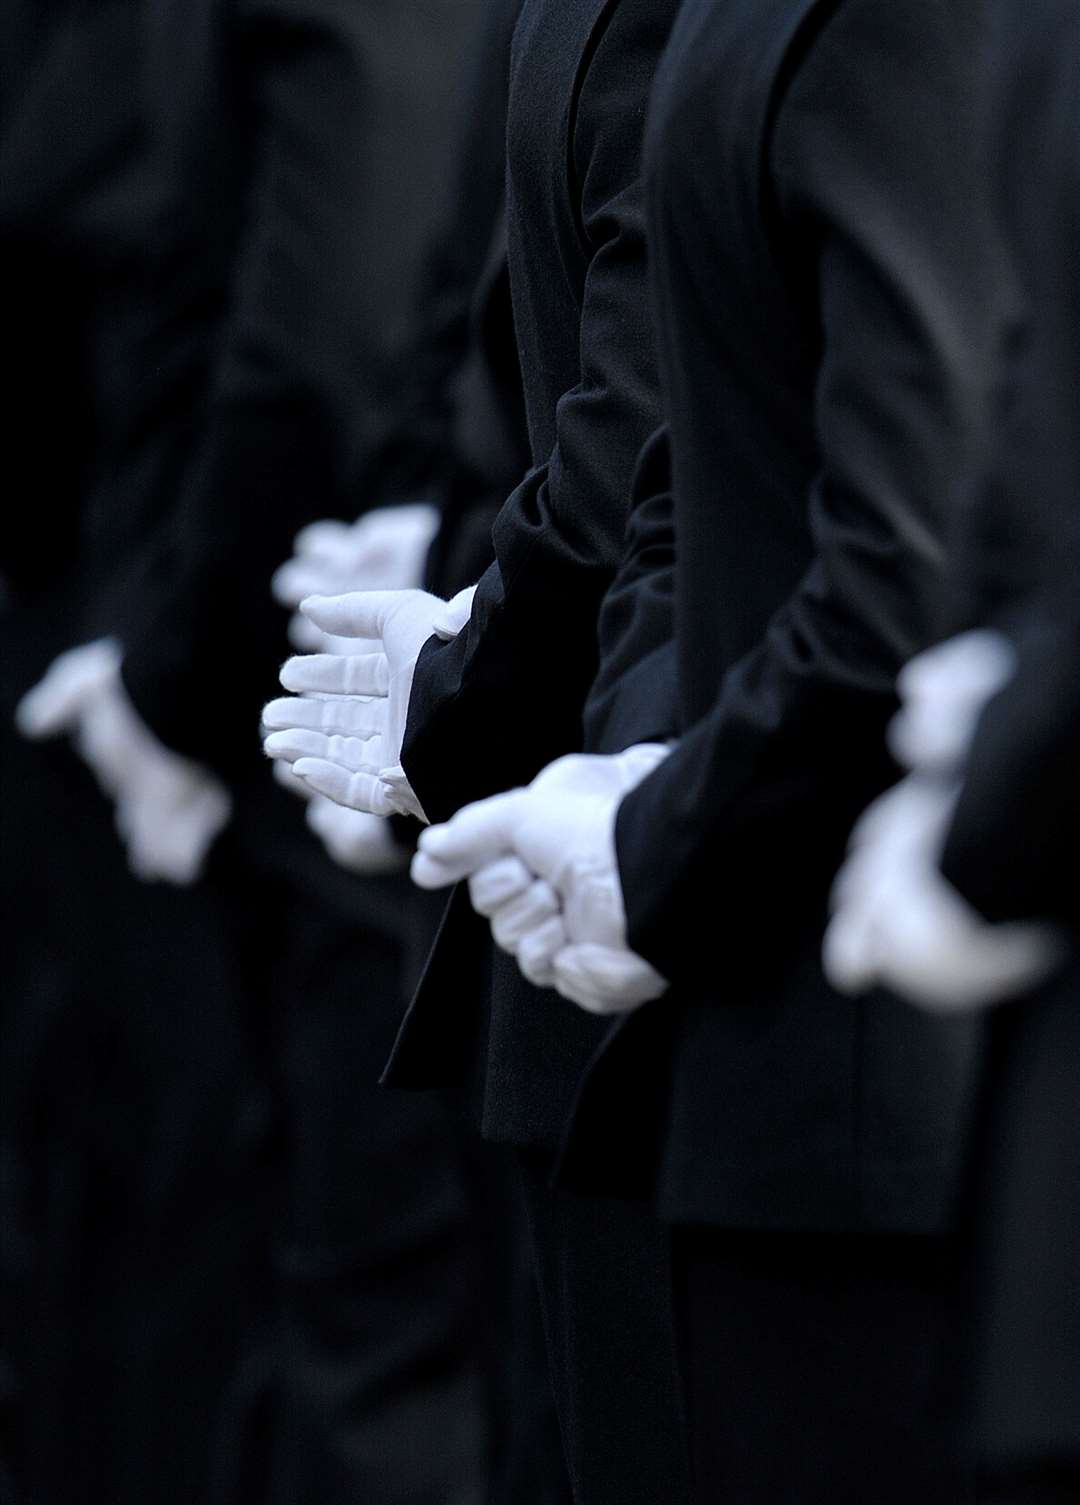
(169, 810)
(542, 866)
(896, 921)
(943, 693)
(343, 728)
(385, 550)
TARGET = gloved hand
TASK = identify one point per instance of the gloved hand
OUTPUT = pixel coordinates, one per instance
(898, 923)
(344, 729)
(943, 692)
(362, 843)
(553, 844)
(385, 550)
(169, 810)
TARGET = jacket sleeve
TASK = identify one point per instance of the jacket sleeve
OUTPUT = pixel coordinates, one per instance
(875, 168)
(634, 696)
(320, 292)
(1010, 850)
(489, 710)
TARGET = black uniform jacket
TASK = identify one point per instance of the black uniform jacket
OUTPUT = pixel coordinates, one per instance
(303, 145)
(460, 370)
(1011, 847)
(826, 302)
(301, 150)
(72, 170)
(491, 709)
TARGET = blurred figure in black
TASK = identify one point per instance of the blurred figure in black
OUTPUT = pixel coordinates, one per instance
(128, 1219)
(451, 437)
(974, 902)
(579, 82)
(287, 157)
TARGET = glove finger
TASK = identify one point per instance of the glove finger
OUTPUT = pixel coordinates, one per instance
(359, 614)
(511, 923)
(576, 988)
(326, 540)
(297, 579)
(353, 753)
(337, 674)
(72, 681)
(284, 776)
(430, 875)
(492, 886)
(305, 635)
(54, 704)
(355, 791)
(604, 980)
(476, 835)
(454, 617)
(346, 716)
(537, 952)
(321, 812)
(308, 638)
(370, 560)
(848, 953)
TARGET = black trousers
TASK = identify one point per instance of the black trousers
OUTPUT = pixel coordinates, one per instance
(364, 1380)
(406, 1365)
(741, 1368)
(134, 1174)
(1023, 1272)
(813, 1368)
(604, 1272)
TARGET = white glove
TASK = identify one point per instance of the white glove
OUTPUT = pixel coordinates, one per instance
(385, 550)
(898, 923)
(943, 692)
(343, 730)
(551, 847)
(355, 840)
(362, 843)
(169, 810)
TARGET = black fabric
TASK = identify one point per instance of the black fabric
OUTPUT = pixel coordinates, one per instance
(376, 1261)
(490, 709)
(1009, 850)
(162, 1049)
(1024, 1306)
(73, 175)
(604, 1271)
(820, 435)
(131, 1145)
(134, 1153)
(1031, 1487)
(456, 388)
(488, 449)
(635, 695)
(293, 289)
(580, 76)
(811, 1369)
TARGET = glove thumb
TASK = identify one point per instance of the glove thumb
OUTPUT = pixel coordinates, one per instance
(359, 614)
(475, 836)
(56, 702)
